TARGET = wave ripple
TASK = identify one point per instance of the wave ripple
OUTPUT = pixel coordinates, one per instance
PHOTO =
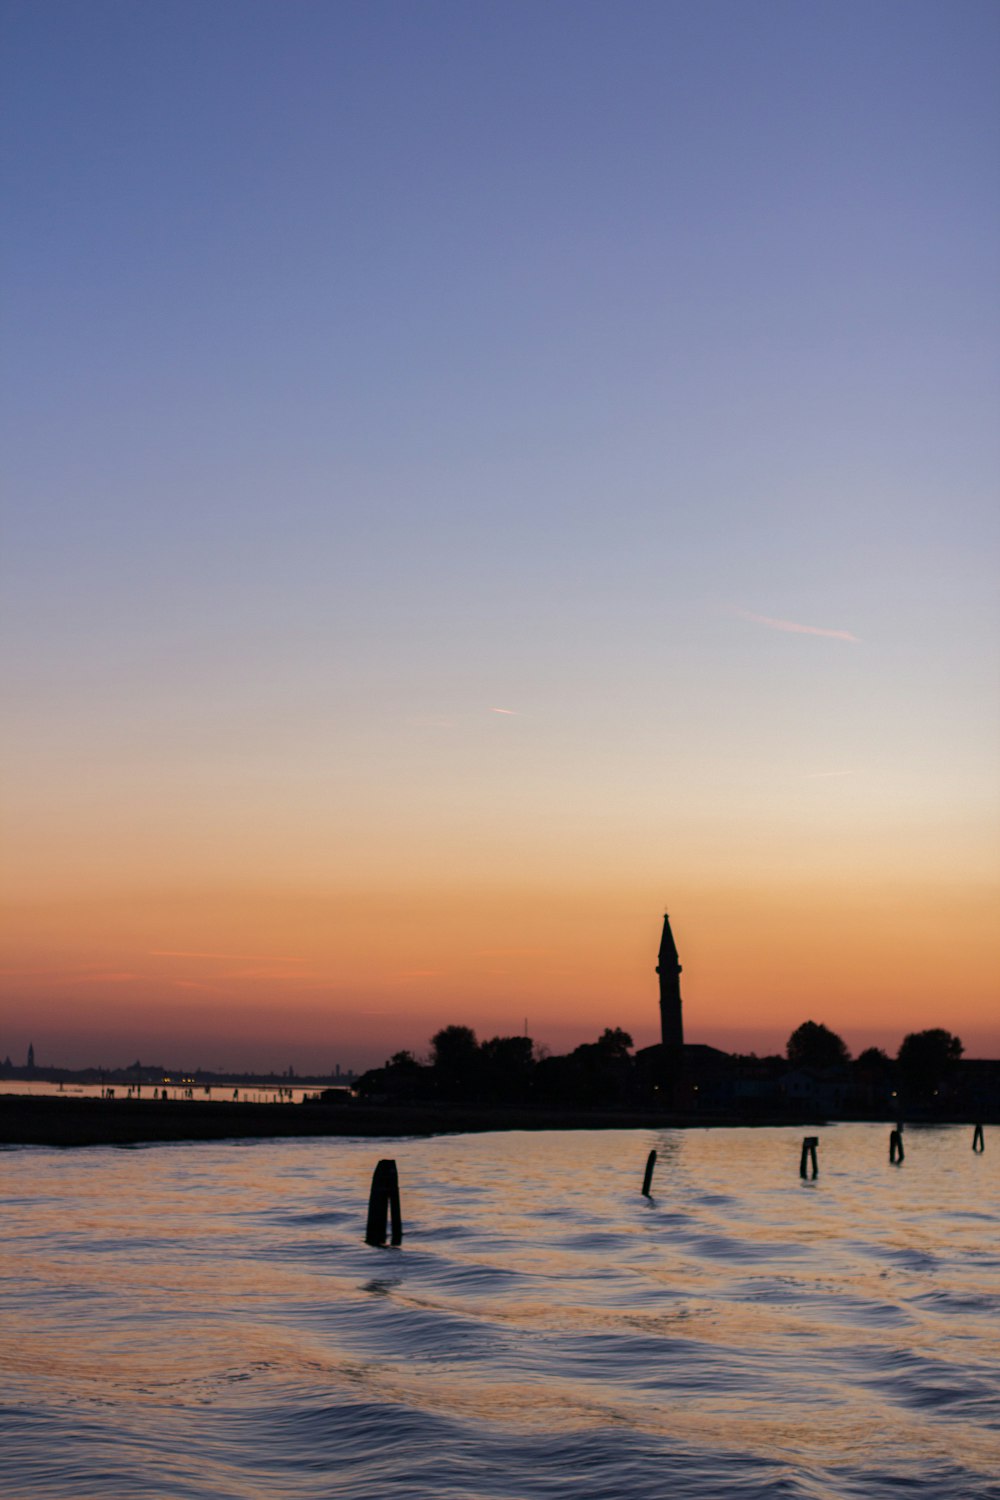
(205, 1320)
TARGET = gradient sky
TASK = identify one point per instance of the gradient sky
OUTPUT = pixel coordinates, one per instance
(478, 475)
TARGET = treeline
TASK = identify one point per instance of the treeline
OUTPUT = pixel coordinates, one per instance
(817, 1070)
(925, 1060)
(506, 1070)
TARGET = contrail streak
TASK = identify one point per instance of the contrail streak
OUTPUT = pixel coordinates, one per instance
(796, 629)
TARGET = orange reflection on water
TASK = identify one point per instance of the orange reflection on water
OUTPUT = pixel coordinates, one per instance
(536, 1289)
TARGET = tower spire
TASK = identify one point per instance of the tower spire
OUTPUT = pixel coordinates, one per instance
(669, 970)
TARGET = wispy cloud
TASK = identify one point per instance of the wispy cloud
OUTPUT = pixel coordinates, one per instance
(285, 976)
(86, 974)
(198, 987)
(99, 976)
(510, 952)
(796, 629)
(238, 958)
(513, 711)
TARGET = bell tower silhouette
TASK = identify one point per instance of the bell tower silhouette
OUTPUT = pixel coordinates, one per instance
(669, 970)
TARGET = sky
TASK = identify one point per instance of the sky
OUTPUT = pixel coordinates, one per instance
(478, 476)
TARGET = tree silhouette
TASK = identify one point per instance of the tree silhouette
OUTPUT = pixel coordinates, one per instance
(403, 1061)
(614, 1043)
(925, 1058)
(873, 1059)
(813, 1045)
(401, 1078)
(873, 1074)
(455, 1058)
(506, 1063)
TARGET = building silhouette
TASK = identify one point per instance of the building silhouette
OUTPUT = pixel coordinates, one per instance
(669, 970)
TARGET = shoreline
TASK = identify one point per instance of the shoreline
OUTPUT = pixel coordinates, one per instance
(53, 1120)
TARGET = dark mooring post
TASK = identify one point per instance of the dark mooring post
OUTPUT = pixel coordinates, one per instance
(978, 1144)
(647, 1181)
(896, 1152)
(809, 1144)
(383, 1200)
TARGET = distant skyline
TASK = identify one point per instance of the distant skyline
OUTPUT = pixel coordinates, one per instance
(477, 477)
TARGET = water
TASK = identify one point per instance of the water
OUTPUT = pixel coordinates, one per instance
(218, 1093)
(205, 1320)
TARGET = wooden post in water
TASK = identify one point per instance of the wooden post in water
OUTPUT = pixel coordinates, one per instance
(809, 1144)
(978, 1144)
(383, 1200)
(647, 1181)
(896, 1152)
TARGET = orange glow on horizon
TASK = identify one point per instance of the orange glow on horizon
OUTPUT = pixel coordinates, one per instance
(353, 976)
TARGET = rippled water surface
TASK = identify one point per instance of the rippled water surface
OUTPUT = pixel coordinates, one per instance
(205, 1320)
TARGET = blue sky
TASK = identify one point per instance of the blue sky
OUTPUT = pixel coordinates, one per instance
(374, 366)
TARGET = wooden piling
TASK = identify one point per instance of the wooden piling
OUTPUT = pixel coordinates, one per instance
(647, 1181)
(808, 1157)
(978, 1144)
(383, 1200)
(896, 1153)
